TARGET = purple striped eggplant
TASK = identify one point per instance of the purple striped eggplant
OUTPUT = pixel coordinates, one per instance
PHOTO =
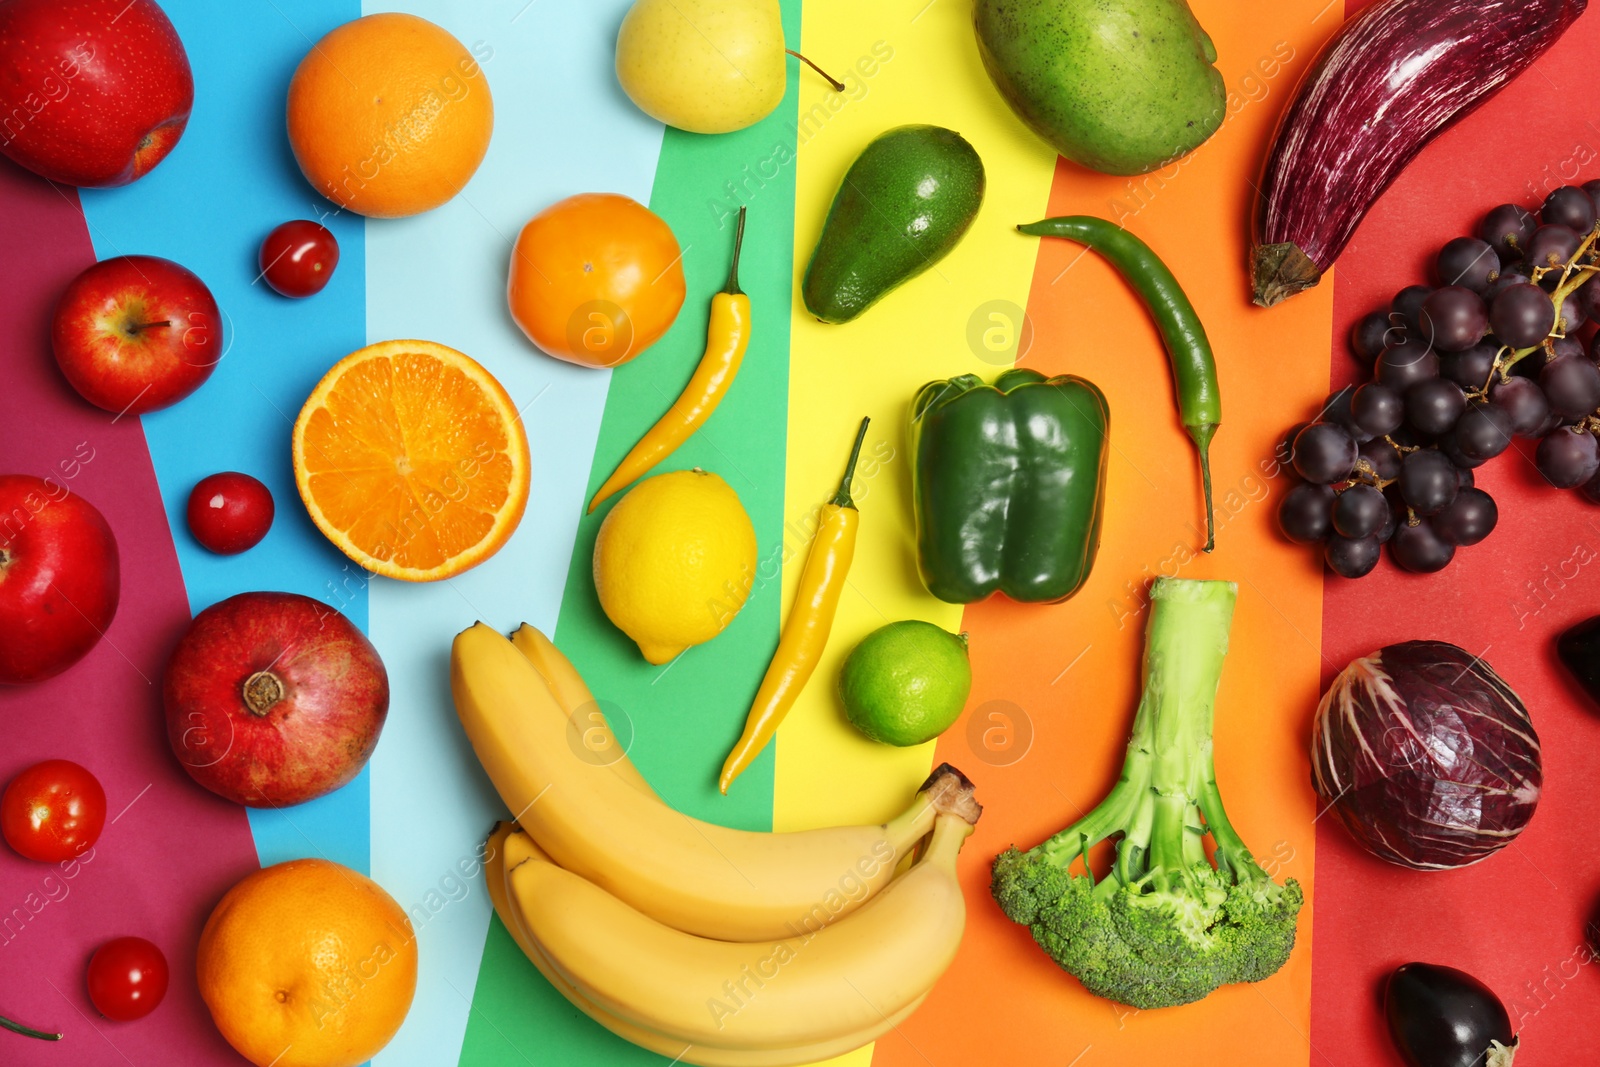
(1391, 80)
(1426, 755)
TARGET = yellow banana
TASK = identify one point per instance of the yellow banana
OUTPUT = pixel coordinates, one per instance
(759, 995)
(509, 846)
(587, 724)
(695, 876)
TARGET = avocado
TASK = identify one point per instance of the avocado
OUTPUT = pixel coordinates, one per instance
(904, 203)
(1119, 86)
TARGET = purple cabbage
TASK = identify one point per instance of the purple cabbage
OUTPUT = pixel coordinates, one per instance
(1427, 756)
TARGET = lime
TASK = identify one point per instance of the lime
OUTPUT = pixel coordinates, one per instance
(906, 682)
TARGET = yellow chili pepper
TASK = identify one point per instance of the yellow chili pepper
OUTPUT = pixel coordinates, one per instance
(805, 634)
(727, 337)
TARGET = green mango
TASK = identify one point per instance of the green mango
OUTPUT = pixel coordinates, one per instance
(1119, 86)
(903, 205)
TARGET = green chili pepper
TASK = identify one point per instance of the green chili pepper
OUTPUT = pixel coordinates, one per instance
(1194, 371)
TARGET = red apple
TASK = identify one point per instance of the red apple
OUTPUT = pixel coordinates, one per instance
(274, 699)
(59, 578)
(136, 333)
(92, 92)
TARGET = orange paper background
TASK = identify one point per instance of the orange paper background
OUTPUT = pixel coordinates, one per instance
(1061, 682)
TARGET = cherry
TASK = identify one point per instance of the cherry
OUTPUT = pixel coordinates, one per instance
(298, 258)
(229, 512)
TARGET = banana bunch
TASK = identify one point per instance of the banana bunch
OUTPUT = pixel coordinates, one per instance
(710, 946)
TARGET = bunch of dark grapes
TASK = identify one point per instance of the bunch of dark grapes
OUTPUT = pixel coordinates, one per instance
(1459, 370)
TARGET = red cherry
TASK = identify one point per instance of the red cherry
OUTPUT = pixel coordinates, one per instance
(127, 978)
(230, 512)
(298, 258)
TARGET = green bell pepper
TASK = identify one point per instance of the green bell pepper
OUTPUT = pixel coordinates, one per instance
(1008, 482)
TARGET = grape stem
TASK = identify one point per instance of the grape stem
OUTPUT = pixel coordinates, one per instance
(1504, 365)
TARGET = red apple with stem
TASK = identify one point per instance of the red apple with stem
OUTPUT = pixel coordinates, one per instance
(92, 92)
(136, 333)
(60, 578)
(274, 699)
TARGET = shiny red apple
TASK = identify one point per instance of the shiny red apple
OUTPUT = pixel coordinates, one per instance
(274, 699)
(59, 578)
(136, 333)
(92, 92)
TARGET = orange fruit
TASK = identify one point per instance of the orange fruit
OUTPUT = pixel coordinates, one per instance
(412, 459)
(595, 279)
(307, 964)
(389, 115)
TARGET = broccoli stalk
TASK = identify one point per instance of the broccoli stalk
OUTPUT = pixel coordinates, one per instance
(1165, 925)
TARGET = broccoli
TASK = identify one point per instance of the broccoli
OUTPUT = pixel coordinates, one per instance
(1165, 925)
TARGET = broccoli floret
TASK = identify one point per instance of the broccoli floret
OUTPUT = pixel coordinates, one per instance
(1166, 925)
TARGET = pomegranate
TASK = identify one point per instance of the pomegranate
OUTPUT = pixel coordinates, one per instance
(274, 699)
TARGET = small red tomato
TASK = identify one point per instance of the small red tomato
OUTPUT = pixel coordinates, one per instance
(53, 811)
(230, 512)
(127, 978)
(298, 258)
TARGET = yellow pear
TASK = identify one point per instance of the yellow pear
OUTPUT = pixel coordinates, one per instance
(706, 66)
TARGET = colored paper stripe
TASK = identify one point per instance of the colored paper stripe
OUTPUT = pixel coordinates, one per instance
(912, 63)
(1055, 687)
(1517, 920)
(276, 349)
(169, 848)
(683, 716)
(560, 128)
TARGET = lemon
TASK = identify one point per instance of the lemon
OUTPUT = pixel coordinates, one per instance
(906, 682)
(674, 561)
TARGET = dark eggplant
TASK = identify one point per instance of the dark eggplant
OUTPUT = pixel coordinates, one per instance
(1442, 1017)
(1578, 648)
(1388, 82)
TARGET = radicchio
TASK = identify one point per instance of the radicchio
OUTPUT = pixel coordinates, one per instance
(1427, 756)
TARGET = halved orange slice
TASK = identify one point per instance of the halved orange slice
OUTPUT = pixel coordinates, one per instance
(412, 459)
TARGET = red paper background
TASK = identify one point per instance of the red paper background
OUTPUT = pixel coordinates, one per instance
(1517, 920)
(173, 849)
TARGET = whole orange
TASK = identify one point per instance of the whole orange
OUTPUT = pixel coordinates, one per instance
(307, 964)
(596, 279)
(389, 115)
